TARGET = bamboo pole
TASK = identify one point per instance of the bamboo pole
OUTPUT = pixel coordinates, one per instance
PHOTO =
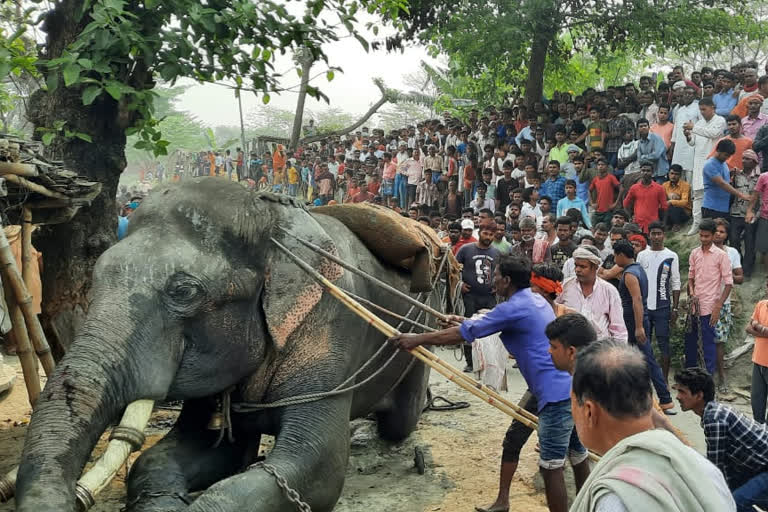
(422, 354)
(34, 187)
(410, 300)
(36, 334)
(451, 374)
(18, 169)
(23, 346)
(390, 313)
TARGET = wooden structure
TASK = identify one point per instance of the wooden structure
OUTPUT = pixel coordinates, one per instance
(33, 190)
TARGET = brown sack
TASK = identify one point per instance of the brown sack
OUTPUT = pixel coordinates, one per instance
(397, 240)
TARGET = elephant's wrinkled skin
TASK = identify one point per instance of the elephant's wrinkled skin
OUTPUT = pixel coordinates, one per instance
(195, 300)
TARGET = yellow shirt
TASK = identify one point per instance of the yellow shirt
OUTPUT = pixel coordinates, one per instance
(293, 176)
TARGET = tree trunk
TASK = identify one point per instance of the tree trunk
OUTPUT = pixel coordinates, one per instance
(305, 60)
(70, 250)
(534, 86)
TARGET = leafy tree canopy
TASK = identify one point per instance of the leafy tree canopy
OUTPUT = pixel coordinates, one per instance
(115, 49)
(503, 47)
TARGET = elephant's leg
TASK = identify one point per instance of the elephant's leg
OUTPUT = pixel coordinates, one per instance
(408, 399)
(183, 461)
(310, 453)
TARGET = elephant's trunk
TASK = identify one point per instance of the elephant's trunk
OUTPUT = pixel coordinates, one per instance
(108, 367)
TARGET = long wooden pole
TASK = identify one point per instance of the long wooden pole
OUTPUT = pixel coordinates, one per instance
(410, 300)
(419, 353)
(36, 334)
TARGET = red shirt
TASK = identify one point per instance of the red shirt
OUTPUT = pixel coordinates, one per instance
(648, 200)
(606, 191)
(373, 187)
(462, 242)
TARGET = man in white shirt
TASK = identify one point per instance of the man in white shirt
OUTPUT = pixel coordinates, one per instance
(702, 137)
(481, 201)
(662, 266)
(682, 153)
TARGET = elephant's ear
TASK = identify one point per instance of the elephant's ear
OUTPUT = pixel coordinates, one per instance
(289, 292)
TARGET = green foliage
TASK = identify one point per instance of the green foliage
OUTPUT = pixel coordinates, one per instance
(490, 44)
(122, 46)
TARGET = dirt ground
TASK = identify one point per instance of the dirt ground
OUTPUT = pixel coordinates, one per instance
(461, 452)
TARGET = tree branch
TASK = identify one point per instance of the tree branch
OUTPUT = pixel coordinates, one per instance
(386, 97)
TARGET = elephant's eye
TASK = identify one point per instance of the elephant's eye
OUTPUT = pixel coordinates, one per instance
(183, 288)
(183, 292)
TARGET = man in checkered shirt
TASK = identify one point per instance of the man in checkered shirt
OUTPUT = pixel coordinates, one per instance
(737, 445)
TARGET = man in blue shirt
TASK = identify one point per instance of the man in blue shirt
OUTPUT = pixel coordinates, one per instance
(554, 186)
(725, 101)
(522, 319)
(651, 148)
(717, 183)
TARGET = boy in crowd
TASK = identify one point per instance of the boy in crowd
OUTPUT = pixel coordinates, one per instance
(571, 201)
(662, 266)
(678, 198)
(604, 190)
(723, 327)
(736, 445)
(563, 248)
(710, 280)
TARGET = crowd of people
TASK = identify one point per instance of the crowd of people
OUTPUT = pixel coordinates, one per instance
(558, 214)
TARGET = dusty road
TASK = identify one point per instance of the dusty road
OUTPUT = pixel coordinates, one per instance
(461, 450)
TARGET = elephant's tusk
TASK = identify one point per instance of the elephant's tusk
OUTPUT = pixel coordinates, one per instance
(126, 438)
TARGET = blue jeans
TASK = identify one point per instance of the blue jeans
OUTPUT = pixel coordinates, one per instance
(659, 320)
(657, 377)
(707, 341)
(557, 436)
(754, 492)
(401, 181)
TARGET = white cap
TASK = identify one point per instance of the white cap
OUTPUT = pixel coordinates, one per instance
(467, 224)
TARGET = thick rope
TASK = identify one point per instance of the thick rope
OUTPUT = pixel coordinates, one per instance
(245, 407)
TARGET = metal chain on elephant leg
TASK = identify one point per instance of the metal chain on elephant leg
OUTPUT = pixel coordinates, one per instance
(290, 493)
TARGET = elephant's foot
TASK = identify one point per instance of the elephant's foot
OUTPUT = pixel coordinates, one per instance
(407, 403)
(307, 463)
(182, 462)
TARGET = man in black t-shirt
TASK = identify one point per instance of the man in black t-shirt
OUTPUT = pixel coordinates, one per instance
(478, 260)
(504, 186)
(563, 248)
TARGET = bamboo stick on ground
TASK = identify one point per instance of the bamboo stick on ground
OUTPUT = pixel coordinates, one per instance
(36, 334)
(23, 346)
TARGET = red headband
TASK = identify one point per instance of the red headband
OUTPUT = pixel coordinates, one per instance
(546, 285)
(638, 238)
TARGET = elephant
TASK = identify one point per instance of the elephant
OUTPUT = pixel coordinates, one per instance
(195, 304)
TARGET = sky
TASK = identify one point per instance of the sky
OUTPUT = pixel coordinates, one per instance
(351, 90)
